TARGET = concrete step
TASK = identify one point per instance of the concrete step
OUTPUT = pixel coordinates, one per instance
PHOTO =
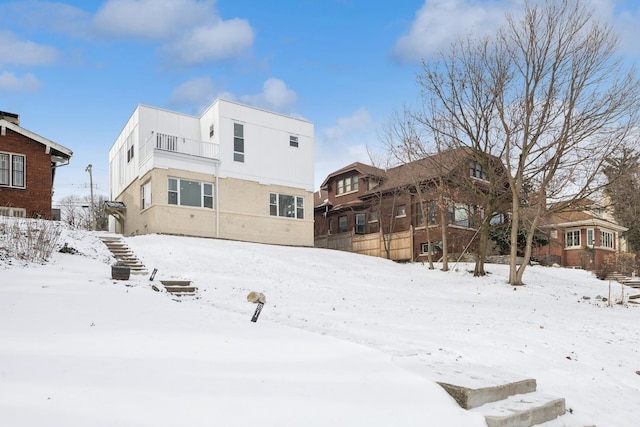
(177, 287)
(469, 397)
(522, 410)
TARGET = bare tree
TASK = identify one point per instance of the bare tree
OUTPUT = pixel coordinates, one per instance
(71, 210)
(76, 211)
(402, 142)
(546, 95)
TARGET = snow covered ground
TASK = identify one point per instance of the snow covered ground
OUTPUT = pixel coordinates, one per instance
(344, 340)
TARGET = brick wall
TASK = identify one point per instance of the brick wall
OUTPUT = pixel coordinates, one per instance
(36, 197)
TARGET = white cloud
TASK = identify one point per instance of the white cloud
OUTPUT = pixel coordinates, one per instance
(275, 96)
(439, 22)
(11, 82)
(20, 52)
(223, 39)
(344, 143)
(151, 19)
(196, 95)
(191, 31)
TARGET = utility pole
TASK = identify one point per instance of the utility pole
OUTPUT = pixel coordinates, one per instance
(92, 216)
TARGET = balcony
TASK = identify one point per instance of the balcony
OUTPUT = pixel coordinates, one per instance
(175, 144)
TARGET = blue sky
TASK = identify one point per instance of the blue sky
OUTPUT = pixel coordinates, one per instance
(76, 70)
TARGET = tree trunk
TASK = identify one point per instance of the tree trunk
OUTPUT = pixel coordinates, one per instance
(515, 220)
(443, 226)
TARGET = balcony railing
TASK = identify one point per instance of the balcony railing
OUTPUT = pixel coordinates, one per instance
(176, 144)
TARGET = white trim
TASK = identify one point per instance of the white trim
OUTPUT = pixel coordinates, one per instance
(42, 140)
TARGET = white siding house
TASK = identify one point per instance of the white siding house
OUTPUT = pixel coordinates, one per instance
(236, 172)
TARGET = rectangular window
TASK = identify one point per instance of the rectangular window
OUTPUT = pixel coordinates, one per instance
(12, 170)
(401, 211)
(211, 130)
(238, 142)
(330, 226)
(373, 216)
(5, 169)
(462, 215)
(286, 206)
(420, 215)
(348, 184)
(360, 221)
(293, 141)
(15, 212)
(190, 193)
(145, 195)
(606, 239)
(590, 237)
(342, 224)
(207, 195)
(434, 247)
(572, 239)
(477, 171)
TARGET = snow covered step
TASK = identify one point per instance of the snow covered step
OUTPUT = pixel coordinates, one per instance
(471, 397)
(522, 410)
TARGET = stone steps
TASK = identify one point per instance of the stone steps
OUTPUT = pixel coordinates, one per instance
(177, 287)
(515, 403)
(123, 254)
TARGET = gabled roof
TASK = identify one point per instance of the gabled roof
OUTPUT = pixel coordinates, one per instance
(426, 169)
(51, 147)
(361, 168)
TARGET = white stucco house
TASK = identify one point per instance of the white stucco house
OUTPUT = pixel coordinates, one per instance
(236, 172)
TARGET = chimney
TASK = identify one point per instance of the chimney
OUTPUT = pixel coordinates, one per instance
(10, 117)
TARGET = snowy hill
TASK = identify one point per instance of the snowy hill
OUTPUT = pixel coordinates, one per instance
(343, 339)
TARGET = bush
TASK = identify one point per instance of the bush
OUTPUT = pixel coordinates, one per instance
(31, 240)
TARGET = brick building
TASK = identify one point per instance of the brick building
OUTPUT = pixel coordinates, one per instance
(28, 165)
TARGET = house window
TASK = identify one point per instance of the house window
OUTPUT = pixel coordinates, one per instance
(373, 216)
(129, 148)
(401, 211)
(286, 206)
(190, 193)
(460, 214)
(360, 221)
(145, 195)
(434, 247)
(606, 239)
(12, 170)
(293, 141)
(477, 171)
(342, 224)
(211, 130)
(420, 215)
(572, 239)
(15, 212)
(348, 184)
(590, 237)
(238, 142)
(330, 226)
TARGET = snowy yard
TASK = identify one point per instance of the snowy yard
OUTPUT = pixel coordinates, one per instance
(343, 340)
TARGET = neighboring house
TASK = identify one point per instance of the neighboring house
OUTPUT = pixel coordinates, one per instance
(28, 165)
(583, 236)
(235, 172)
(364, 209)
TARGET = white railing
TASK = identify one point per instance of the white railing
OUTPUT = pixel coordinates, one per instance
(176, 144)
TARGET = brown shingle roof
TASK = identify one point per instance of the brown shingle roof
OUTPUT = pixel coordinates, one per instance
(361, 168)
(429, 168)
